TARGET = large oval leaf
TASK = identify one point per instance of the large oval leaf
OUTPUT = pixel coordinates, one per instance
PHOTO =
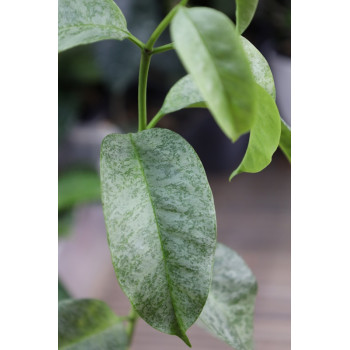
(264, 135)
(228, 313)
(245, 10)
(86, 21)
(285, 140)
(211, 51)
(88, 324)
(161, 225)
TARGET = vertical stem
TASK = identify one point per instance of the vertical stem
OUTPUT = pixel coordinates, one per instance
(142, 92)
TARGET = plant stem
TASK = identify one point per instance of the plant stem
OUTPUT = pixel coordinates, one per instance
(163, 48)
(147, 51)
(136, 41)
(163, 24)
(142, 91)
(155, 120)
(133, 316)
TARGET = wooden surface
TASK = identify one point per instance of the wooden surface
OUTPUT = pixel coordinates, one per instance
(253, 214)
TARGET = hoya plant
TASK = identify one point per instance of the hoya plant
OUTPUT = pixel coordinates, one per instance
(158, 205)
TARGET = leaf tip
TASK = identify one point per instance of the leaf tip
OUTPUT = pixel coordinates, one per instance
(184, 337)
(234, 173)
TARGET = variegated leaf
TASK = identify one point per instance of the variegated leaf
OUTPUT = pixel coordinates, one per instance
(229, 311)
(86, 21)
(88, 324)
(161, 225)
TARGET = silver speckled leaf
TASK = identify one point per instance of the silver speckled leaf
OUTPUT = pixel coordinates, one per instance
(260, 68)
(229, 311)
(89, 324)
(86, 21)
(211, 51)
(285, 140)
(264, 136)
(161, 225)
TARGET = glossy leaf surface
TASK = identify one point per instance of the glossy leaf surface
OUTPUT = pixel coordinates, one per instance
(161, 225)
(228, 313)
(87, 21)
(260, 68)
(245, 10)
(264, 135)
(285, 140)
(211, 51)
(77, 187)
(88, 324)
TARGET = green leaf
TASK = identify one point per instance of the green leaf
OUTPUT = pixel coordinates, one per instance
(77, 187)
(285, 140)
(260, 68)
(86, 21)
(211, 51)
(245, 10)
(184, 94)
(88, 324)
(161, 225)
(229, 311)
(264, 135)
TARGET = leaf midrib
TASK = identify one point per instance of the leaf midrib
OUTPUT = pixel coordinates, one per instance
(205, 45)
(167, 276)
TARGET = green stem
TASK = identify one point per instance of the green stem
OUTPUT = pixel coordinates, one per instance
(155, 120)
(142, 92)
(147, 51)
(163, 24)
(163, 48)
(133, 316)
(136, 41)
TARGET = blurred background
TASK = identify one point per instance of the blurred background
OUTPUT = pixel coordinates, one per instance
(98, 95)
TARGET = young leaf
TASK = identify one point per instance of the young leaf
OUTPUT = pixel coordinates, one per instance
(161, 225)
(260, 68)
(86, 21)
(88, 324)
(285, 140)
(229, 310)
(211, 51)
(264, 135)
(77, 187)
(184, 94)
(245, 10)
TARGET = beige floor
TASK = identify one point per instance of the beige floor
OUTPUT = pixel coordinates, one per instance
(253, 214)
